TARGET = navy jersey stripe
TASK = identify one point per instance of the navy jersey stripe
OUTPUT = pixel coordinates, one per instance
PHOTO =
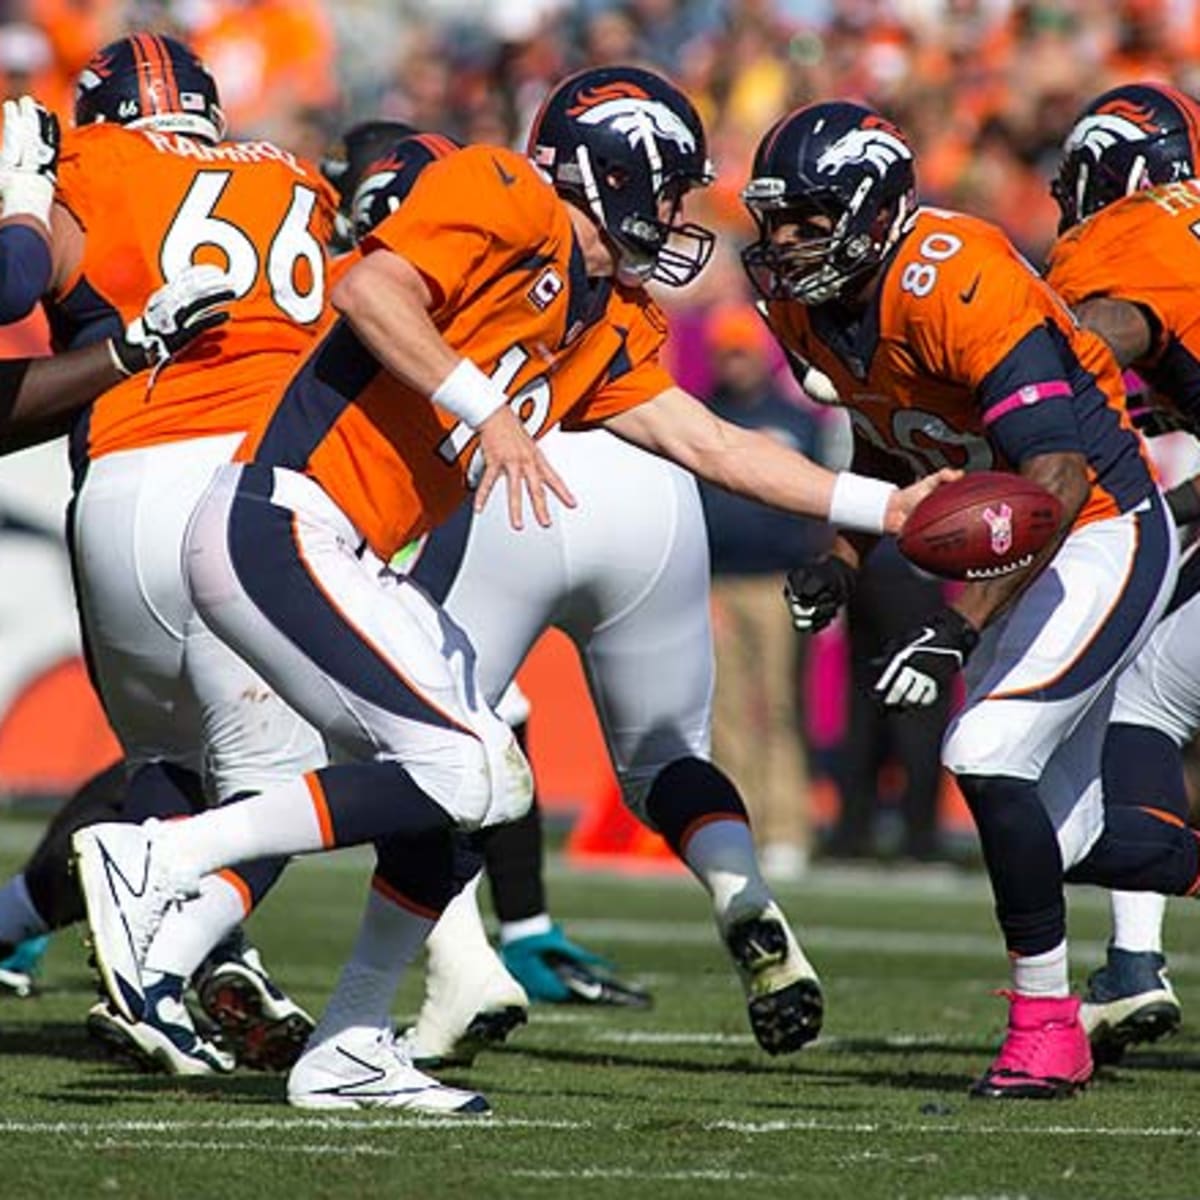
(273, 574)
(1128, 614)
(332, 378)
(1113, 452)
(440, 557)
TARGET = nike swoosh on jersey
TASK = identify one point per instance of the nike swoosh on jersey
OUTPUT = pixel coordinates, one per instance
(968, 294)
(505, 178)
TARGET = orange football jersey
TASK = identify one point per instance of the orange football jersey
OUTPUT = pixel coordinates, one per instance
(1144, 249)
(955, 303)
(511, 292)
(151, 203)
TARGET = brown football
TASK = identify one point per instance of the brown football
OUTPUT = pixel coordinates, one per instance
(986, 524)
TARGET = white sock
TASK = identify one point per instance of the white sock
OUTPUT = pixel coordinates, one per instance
(284, 820)
(388, 940)
(721, 855)
(1138, 920)
(1042, 974)
(18, 918)
(189, 931)
(459, 930)
(512, 931)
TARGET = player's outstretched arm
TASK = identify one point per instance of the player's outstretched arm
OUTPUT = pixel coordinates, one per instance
(387, 302)
(678, 426)
(39, 396)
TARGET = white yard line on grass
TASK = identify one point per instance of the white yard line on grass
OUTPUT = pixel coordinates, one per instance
(383, 1122)
(87, 1135)
(694, 1176)
(752, 1128)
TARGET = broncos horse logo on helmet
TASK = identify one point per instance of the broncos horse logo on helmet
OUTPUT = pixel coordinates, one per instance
(384, 184)
(851, 170)
(1132, 137)
(625, 144)
(149, 80)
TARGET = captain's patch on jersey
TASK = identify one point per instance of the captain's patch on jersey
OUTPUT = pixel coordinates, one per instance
(546, 290)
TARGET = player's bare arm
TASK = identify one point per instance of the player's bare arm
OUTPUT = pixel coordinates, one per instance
(677, 426)
(387, 302)
(1124, 326)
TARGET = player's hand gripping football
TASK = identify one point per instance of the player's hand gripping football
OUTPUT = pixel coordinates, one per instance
(816, 591)
(28, 159)
(917, 669)
(904, 500)
(174, 316)
(509, 451)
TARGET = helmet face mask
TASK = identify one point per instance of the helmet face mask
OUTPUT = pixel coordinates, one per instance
(1130, 138)
(150, 81)
(627, 146)
(831, 191)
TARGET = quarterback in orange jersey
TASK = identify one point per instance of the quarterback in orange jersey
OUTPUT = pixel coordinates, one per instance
(1128, 262)
(147, 188)
(947, 348)
(503, 294)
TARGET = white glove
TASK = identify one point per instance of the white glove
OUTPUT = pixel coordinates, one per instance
(28, 159)
(177, 313)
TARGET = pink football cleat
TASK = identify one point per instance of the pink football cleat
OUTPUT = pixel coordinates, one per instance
(1046, 1055)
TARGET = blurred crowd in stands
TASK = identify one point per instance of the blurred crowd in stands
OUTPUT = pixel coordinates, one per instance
(984, 88)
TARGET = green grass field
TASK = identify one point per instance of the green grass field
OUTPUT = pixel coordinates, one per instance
(674, 1102)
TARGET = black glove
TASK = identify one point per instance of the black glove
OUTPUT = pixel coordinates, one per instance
(175, 315)
(815, 592)
(917, 669)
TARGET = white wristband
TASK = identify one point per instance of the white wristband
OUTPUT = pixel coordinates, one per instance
(26, 195)
(469, 394)
(859, 502)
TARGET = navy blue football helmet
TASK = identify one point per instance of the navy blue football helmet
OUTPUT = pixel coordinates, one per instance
(384, 184)
(1131, 137)
(845, 165)
(620, 142)
(148, 80)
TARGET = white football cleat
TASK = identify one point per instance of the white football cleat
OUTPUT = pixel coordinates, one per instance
(127, 887)
(783, 994)
(471, 1001)
(365, 1068)
(166, 1040)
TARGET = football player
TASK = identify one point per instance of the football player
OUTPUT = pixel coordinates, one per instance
(382, 160)
(1128, 262)
(947, 348)
(639, 614)
(39, 396)
(504, 295)
(145, 188)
